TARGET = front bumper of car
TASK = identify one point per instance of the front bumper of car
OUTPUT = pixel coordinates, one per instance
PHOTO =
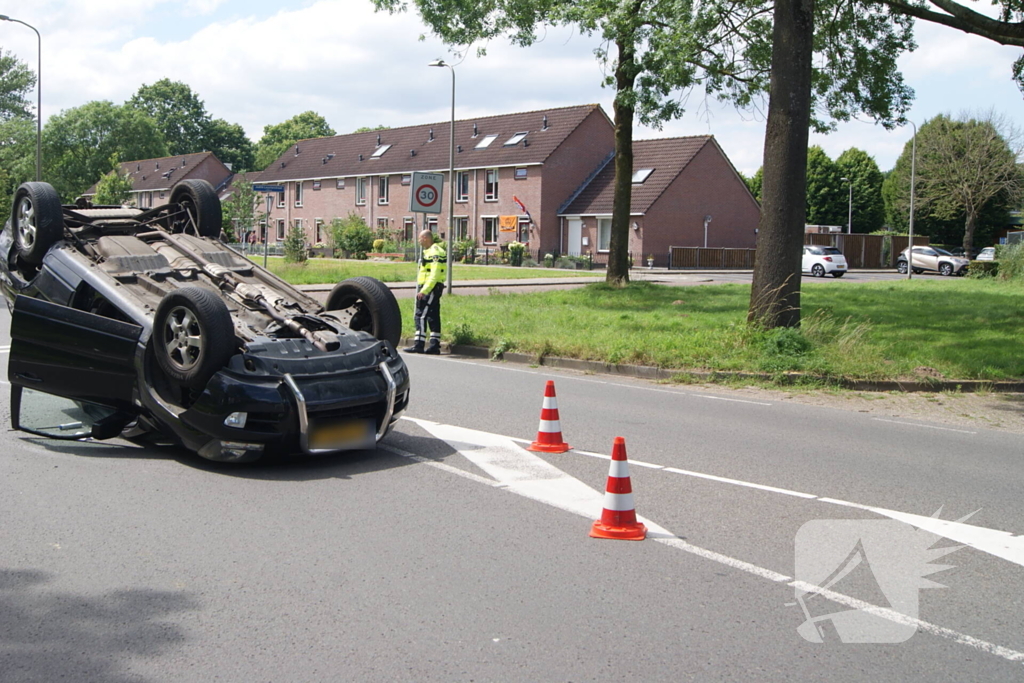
(240, 418)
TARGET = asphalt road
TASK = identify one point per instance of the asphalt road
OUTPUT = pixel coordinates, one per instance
(451, 554)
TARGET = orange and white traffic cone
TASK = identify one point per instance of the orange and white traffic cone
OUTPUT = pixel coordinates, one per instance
(618, 518)
(549, 432)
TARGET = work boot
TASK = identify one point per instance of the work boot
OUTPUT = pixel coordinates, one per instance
(415, 348)
(434, 349)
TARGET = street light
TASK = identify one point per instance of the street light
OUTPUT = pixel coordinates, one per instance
(849, 215)
(451, 177)
(707, 219)
(39, 96)
(910, 241)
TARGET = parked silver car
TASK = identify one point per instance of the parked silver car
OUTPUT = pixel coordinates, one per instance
(933, 259)
(987, 254)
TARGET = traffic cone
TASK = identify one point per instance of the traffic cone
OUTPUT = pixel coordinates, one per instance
(618, 518)
(549, 432)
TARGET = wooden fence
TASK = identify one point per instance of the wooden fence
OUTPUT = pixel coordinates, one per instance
(861, 251)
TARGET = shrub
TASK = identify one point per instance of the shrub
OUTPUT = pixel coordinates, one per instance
(378, 245)
(516, 250)
(981, 269)
(549, 260)
(295, 245)
(352, 235)
(1011, 262)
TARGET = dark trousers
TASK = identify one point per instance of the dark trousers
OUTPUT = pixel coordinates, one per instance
(428, 316)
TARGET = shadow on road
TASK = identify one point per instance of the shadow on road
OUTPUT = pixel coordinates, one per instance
(48, 636)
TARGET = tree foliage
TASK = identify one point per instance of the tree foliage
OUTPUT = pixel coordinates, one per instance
(295, 245)
(230, 144)
(826, 193)
(864, 174)
(241, 211)
(967, 177)
(277, 138)
(78, 144)
(352, 235)
(113, 188)
(179, 113)
(16, 80)
(17, 158)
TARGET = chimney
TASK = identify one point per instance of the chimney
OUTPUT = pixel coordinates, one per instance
(431, 137)
(544, 126)
(475, 133)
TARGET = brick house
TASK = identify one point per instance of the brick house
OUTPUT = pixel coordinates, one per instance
(537, 158)
(152, 179)
(677, 182)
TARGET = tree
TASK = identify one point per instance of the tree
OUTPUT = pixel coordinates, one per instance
(754, 183)
(17, 158)
(241, 211)
(113, 188)
(79, 142)
(277, 138)
(826, 195)
(370, 129)
(15, 81)
(295, 245)
(967, 176)
(179, 113)
(863, 172)
(230, 144)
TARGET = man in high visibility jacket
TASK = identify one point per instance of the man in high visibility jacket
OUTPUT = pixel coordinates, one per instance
(429, 288)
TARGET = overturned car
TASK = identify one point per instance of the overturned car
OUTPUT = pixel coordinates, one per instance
(141, 324)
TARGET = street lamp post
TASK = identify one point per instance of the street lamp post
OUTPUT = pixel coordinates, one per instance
(910, 241)
(39, 95)
(451, 178)
(849, 214)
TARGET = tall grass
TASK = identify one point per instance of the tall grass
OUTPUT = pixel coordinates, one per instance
(328, 271)
(960, 328)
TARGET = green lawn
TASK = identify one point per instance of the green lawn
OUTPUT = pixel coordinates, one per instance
(328, 271)
(961, 328)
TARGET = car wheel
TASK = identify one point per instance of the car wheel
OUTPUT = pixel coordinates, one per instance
(901, 267)
(946, 269)
(918, 271)
(818, 270)
(38, 220)
(193, 336)
(838, 273)
(373, 307)
(200, 200)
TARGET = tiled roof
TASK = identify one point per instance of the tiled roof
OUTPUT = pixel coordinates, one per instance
(247, 177)
(667, 157)
(159, 174)
(426, 147)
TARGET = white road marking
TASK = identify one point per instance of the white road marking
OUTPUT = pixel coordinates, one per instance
(915, 424)
(524, 473)
(737, 482)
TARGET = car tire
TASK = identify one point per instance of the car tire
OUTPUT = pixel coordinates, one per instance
(838, 273)
(200, 199)
(818, 270)
(376, 309)
(945, 269)
(901, 267)
(37, 219)
(193, 335)
(918, 271)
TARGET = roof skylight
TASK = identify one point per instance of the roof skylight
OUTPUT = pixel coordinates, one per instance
(486, 142)
(515, 139)
(379, 152)
(642, 175)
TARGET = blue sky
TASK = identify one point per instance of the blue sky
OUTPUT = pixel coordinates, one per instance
(258, 62)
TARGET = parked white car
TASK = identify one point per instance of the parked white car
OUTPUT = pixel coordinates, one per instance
(987, 254)
(819, 260)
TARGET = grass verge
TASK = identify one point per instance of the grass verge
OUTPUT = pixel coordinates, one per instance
(943, 329)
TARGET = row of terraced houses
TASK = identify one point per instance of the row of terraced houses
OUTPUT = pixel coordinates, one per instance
(542, 177)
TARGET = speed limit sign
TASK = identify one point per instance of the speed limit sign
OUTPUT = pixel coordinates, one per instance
(426, 192)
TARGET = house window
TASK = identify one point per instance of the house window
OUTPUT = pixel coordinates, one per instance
(490, 229)
(461, 227)
(520, 173)
(486, 141)
(298, 193)
(263, 231)
(382, 224)
(407, 179)
(641, 175)
(383, 183)
(515, 139)
(491, 187)
(360, 190)
(524, 229)
(318, 230)
(408, 228)
(432, 224)
(280, 199)
(462, 186)
(339, 184)
(297, 222)
(280, 229)
(604, 233)
(316, 184)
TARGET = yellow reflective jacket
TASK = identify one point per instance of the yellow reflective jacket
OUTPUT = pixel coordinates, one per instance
(433, 265)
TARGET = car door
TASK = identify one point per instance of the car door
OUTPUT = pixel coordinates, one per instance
(926, 258)
(805, 264)
(66, 352)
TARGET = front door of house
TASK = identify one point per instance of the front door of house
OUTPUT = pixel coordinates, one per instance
(575, 244)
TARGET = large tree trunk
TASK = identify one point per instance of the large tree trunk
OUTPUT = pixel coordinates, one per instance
(618, 247)
(775, 292)
(969, 227)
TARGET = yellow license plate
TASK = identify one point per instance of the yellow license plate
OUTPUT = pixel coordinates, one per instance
(342, 434)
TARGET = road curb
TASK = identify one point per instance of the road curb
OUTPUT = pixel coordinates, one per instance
(789, 378)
